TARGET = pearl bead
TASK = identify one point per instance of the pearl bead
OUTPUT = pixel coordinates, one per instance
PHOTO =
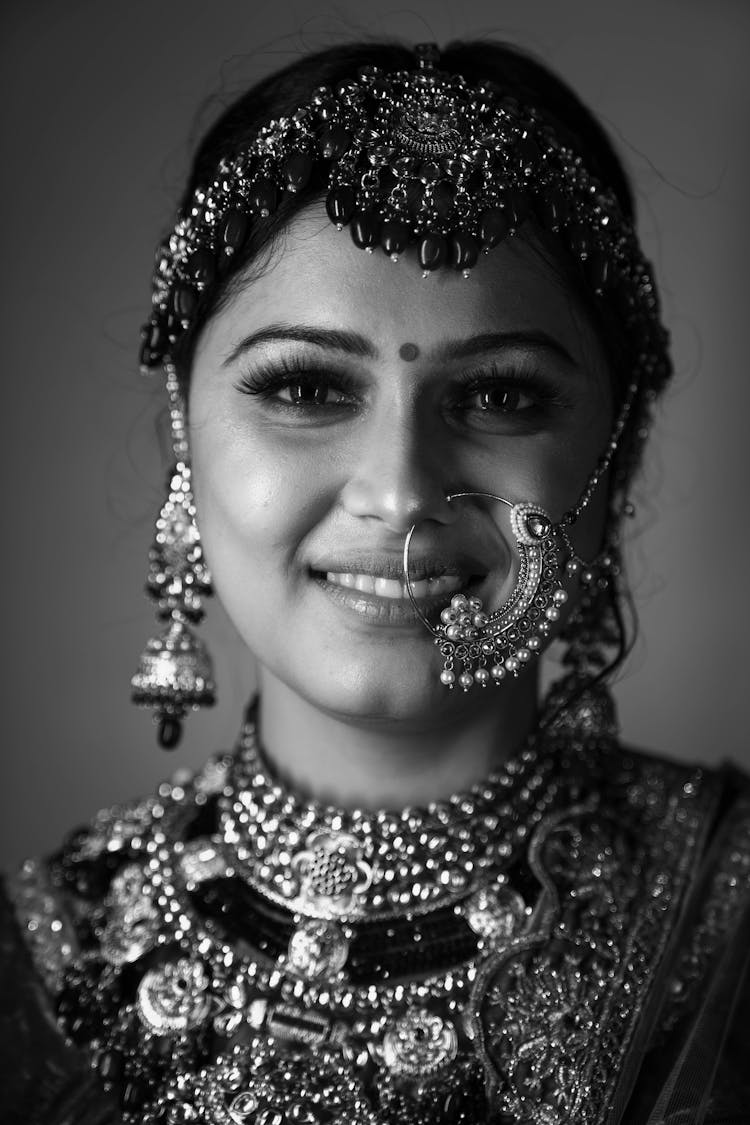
(497, 672)
(479, 619)
(552, 614)
(466, 680)
(533, 643)
(458, 602)
(447, 617)
(524, 655)
(447, 677)
(572, 566)
(453, 632)
(512, 664)
(559, 597)
(482, 677)
(475, 604)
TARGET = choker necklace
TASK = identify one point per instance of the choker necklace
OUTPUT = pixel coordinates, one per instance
(229, 954)
(328, 863)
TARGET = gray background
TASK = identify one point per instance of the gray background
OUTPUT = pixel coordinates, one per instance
(100, 108)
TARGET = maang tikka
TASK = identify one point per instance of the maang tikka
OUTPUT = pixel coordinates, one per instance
(175, 674)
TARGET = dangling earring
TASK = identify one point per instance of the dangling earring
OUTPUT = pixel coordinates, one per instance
(174, 673)
(580, 701)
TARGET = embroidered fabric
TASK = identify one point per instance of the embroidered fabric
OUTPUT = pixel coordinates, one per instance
(192, 991)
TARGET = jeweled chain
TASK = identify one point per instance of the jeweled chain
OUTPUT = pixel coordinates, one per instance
(192, 1024)
(409, 861)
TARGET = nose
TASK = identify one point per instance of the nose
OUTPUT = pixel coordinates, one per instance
(399, 476)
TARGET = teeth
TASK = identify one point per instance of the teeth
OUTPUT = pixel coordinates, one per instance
(393, 588)
(388, 588)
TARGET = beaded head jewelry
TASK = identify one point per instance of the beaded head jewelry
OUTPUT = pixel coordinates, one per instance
(409, 158)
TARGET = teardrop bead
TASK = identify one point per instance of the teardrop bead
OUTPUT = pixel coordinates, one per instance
(432, 252)
(335, 142)
(394, 236)
(463, 250)
(493, 227)
(184, 301)
(233, 230)
(264, 196)
(298, 168)
(201, 267)
(170, 732)
(340, 204)
(364, 229)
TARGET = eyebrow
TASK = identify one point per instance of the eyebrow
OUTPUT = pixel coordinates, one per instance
(333, 339)
(354, 343)
(495, 341)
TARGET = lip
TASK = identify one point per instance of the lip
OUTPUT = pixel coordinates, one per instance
(377, 610)
(390, 564)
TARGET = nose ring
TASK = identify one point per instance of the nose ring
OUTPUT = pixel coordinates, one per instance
(480, 646)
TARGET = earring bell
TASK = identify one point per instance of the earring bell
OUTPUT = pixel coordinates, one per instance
(174, 673)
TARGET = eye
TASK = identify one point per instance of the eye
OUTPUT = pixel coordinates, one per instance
(299, 388)
(312, 391)
(500, 399)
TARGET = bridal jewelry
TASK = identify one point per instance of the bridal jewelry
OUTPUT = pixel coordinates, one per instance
(229, 952)
(481, 646)
(414, 157)
(488, 646)
(174, 674)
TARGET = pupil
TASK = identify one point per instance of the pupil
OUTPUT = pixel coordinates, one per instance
(310, 393)
(499, 398)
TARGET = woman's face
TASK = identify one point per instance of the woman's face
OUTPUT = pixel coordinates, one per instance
(337, 400)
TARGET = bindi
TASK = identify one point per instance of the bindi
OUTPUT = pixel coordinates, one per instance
(408, 352)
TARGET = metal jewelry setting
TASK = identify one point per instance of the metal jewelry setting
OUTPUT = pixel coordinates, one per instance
(414, 157)
(494, 962)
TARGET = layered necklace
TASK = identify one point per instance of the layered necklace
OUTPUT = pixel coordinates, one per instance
(230, 953)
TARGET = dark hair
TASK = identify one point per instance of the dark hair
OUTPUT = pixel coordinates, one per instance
(282, 92)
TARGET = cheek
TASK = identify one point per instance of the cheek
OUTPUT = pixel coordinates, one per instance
(255, 504)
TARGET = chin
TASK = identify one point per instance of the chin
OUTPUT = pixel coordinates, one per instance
(403, 689)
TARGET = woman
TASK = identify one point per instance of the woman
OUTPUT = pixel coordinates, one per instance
(415, 893)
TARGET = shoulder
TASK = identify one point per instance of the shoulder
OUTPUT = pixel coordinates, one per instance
(45, 1080)
(53, 916)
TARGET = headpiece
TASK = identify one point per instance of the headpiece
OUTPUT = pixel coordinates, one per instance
(414, 157)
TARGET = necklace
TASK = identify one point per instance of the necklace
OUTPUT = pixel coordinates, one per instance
(234, 954)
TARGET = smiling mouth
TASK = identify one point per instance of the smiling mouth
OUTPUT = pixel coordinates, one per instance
(394, 588)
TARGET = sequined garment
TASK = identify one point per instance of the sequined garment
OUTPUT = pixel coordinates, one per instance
(553, 946)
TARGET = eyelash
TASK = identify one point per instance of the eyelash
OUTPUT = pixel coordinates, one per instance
(266, 383)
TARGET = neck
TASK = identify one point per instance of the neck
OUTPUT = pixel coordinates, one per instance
(376, 763)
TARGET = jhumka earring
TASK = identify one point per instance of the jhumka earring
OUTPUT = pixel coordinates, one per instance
(174, 673)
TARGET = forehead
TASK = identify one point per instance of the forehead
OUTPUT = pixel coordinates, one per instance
(315, 275)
